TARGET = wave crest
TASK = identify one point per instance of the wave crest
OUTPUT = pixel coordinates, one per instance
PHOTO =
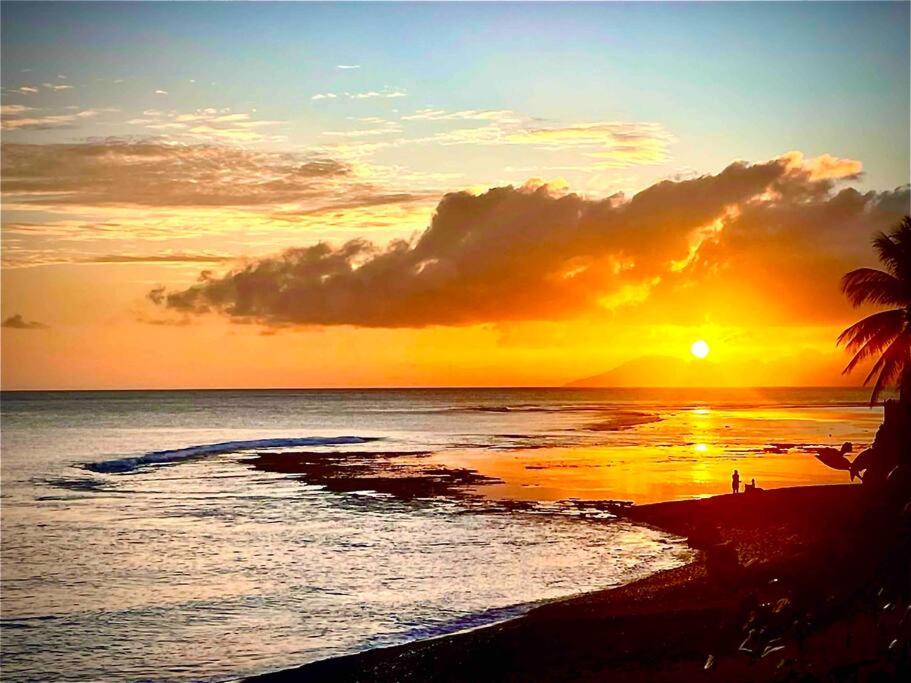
(176, 455)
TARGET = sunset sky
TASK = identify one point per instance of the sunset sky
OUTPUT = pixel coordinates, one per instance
(309, 195)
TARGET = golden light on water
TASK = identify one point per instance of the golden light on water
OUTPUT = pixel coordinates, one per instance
(699, 349)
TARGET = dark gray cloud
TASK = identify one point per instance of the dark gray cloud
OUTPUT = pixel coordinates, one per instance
(17, 322)
(525, 254)
(154, 173)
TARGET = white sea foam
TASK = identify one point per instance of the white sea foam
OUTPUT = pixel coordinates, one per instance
(129, 464)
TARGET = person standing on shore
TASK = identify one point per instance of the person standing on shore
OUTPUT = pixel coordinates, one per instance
(735, 482)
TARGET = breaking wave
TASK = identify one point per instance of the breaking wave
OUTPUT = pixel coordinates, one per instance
(176, 455)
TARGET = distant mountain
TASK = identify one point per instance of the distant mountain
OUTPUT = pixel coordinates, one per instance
(802, 369)
(651, 371)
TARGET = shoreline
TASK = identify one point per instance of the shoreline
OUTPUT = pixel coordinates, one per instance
(802, 559)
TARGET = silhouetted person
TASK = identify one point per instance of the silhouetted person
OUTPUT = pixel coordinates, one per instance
(735, 482)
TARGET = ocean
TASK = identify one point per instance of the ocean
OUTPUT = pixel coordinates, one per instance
(208, 535)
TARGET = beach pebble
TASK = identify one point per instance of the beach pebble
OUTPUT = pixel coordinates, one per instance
(782, 605)
(770, 650)
(747, 644)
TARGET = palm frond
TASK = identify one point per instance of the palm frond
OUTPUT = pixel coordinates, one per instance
(894, 249)
(889, 330)
(875, 326)
(890, 365)
(868, 285)
(872, 347)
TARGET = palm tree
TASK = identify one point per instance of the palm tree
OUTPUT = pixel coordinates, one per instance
(887, 333)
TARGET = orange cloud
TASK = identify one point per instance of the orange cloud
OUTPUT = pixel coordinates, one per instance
(824, 167)
(617, 143)
(528, 254)
(206, 124)
(155, 173)
(18, 117)
(622, 142)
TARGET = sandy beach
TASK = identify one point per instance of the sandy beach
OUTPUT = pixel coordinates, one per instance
(819, 591)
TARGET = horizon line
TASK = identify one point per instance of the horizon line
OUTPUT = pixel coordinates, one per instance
(437, 388)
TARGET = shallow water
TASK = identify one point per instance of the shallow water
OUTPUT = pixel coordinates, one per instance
(138, 541)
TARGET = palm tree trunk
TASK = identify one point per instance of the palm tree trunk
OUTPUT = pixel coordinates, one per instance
(904, 386)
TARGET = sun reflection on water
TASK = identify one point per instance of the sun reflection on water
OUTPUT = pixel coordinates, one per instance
(689, 453)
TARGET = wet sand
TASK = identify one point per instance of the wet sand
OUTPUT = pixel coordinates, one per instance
(819, 591)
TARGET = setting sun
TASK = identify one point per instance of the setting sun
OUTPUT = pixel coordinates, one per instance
(699, 349)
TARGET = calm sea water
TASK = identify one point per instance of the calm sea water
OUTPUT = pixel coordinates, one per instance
(139, 542)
